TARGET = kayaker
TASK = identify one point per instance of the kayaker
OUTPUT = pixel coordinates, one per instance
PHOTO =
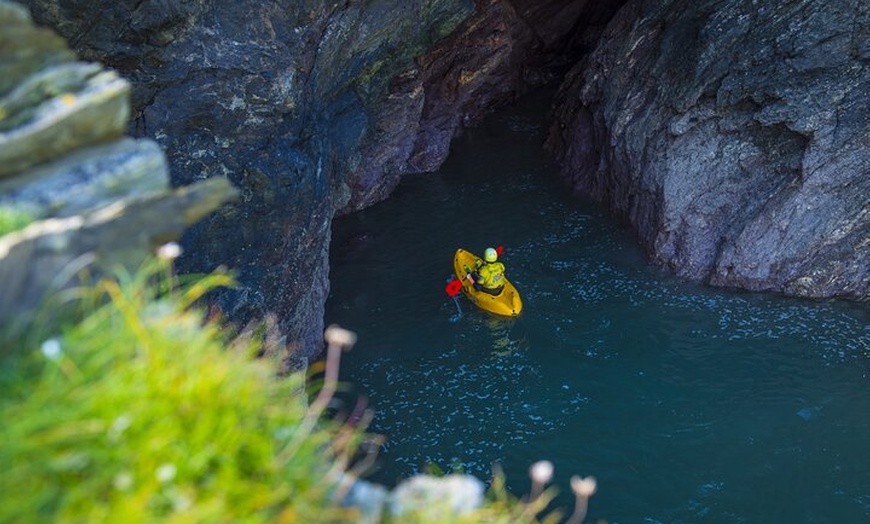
(489, 274)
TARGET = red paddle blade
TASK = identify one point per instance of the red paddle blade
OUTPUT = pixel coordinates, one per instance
(453, 287)
(499, 250)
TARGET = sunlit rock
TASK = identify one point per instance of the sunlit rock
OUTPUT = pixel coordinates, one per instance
(101, 201)
(88, 178)
(437, 498)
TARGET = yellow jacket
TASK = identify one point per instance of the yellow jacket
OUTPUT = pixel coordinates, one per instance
(491, 275)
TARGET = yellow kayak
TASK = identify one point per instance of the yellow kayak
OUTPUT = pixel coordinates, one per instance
(506, 303)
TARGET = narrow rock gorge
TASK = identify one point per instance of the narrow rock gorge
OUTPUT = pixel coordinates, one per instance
(732, 135)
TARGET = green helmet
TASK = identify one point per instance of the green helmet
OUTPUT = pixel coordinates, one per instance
(490, 255)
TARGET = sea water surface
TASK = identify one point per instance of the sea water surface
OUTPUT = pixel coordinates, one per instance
(689, 404)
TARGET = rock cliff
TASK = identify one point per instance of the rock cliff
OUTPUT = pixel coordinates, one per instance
(732, 134)
(735, 136)
(310, 108)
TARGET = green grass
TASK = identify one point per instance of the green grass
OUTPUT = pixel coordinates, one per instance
(143, 413)
(12, 219)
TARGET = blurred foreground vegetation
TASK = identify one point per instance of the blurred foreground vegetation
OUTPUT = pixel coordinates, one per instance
(12, 219)
(138, 409)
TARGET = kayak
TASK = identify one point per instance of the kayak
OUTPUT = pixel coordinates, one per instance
(506, 303)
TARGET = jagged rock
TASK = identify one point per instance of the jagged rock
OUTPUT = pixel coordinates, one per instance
(64, 117)
(88, 179)
(51, 104)
(733, 135)
(53, 254)
(104, 201)
(25, 49)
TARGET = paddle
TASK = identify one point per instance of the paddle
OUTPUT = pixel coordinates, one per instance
(453, 288)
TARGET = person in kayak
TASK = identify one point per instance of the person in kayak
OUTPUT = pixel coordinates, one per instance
(489, 273)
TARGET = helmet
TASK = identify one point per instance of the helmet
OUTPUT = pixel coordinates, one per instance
(490, 255)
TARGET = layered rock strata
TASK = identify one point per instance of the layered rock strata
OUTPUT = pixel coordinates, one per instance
(99, 201)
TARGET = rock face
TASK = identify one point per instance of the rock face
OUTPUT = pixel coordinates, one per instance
(724, 130)
(99, 200)
(735, 136)
(310, 108)
(301, 105)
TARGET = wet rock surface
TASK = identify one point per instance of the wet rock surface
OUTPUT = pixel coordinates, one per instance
(734, 137)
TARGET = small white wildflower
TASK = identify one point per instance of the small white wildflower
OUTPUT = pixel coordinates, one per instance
(51, 349)
(284, 433)
(123, 481)
(165, 473)
(338, 336)
(169, 251)
(541, 471)
(584, 487)
(181, 502)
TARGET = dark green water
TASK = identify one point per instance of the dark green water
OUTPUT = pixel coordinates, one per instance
(689, 404)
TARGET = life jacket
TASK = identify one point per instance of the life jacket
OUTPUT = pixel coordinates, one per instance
(491, 275)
